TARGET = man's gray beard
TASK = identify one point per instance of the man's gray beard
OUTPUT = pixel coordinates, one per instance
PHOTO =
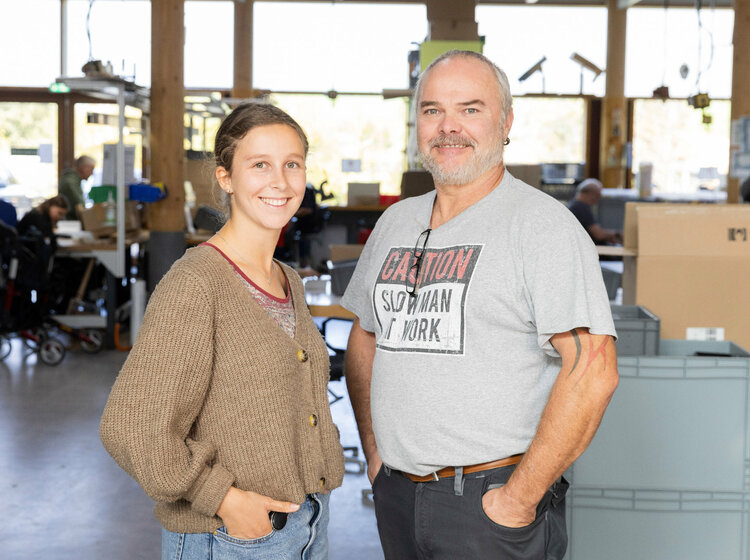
(471, 171)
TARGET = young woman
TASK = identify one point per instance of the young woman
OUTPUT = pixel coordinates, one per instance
(44, 218)
(221, 410)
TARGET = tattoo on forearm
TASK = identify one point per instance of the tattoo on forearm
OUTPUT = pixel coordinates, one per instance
(578, 350)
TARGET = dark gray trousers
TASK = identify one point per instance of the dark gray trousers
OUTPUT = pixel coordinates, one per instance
(444, 520)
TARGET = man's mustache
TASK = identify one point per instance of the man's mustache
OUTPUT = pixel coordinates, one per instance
(452, 140)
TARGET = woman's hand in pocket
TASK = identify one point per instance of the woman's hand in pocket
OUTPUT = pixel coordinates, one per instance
(245, 514)
(502, 509)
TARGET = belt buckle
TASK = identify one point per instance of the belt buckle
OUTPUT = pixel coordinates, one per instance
(435, 477)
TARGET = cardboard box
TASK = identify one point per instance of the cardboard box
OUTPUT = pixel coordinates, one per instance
(453, 30)
(345, 252)
(94, 219)
(693, 267)
(450, 9)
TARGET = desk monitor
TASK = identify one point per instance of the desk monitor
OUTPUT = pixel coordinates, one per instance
(415, 183)
(363, 194)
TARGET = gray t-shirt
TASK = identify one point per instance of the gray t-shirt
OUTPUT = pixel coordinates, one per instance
(462, 371)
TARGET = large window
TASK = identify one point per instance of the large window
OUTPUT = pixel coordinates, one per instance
(209, 44)
(685, 153)
(96, 125)
(363, 47)
(660, 42)
(28, 153)
(547, 130)
(114, 32)
(362, 128)
(517, 37)
(29, 42)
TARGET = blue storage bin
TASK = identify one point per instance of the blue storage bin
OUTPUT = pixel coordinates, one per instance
(146, 193)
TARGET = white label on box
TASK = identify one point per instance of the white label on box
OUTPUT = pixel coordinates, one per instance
(705, 333)
(351, 165)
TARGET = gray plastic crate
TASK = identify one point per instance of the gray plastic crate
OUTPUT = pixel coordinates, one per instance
(668, 473)
(716, 348)
(674, 423)
(631, 524)
(638, 330)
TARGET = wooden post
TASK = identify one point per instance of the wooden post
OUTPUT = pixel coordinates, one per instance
(614, 109)
(167, 110)
(243, 49)
(452, 20)
(167, 217)
(740, 79)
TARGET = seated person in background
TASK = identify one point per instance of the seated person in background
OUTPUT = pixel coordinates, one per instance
(70, 184)
(745, 191)
(588, 194)
(43, 219)
(8, 213)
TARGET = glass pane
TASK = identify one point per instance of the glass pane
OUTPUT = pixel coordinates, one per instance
(686, 154)
(28, 153)
(659, 42)
(120, 34)
(96, 125)
(367, 129)
(290, 39)
(30, 43)
(517, 37)
(547, 130)
(201, 132)
(209, 44)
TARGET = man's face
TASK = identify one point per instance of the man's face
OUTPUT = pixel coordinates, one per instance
(85, 170)
(460, 132)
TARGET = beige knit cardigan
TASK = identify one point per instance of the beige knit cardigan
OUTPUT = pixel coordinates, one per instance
(214, 393)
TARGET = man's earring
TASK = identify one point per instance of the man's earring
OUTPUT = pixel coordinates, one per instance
(507, 141)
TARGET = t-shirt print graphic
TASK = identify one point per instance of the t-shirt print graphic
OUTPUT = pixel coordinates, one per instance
(432, 321)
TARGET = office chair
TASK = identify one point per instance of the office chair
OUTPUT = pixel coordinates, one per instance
(351, 453)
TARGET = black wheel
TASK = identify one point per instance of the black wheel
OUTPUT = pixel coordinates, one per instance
(93, 341)
(52, 351)
(5, 346)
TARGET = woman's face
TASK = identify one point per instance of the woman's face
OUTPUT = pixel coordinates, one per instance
(56, 213)
(267, 182)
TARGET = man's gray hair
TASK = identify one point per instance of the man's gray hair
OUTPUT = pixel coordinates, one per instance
(84, 160)
(589, 185)
(502, 80)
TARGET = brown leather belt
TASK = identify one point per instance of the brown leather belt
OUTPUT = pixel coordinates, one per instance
(450, 471)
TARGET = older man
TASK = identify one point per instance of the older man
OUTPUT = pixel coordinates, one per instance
(588, 194)
(70, 184)
(482, 357)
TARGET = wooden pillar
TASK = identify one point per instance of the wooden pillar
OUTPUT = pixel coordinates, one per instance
(167, 110)
(740, 79)
(614, 109)
(243, 49)
(65, 134)
(452, 20)
(167, 217)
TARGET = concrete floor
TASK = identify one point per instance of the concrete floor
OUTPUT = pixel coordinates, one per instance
(62, 497)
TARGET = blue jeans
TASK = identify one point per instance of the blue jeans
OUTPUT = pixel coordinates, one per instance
(304, 537)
